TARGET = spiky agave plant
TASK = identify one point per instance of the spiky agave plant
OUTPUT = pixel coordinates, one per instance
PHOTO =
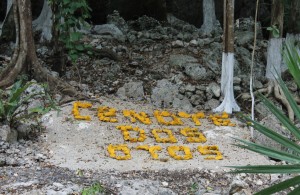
(291, 56)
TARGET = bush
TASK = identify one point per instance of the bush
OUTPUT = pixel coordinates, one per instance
(292, 155)
(11, 102)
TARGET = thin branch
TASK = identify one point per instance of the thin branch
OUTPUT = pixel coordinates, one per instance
(252, 65)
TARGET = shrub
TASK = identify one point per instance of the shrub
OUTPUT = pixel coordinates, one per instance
(11, 102)
(292, 155)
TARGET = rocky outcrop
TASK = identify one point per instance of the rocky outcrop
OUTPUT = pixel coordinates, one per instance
(133, 90)
(166, 95)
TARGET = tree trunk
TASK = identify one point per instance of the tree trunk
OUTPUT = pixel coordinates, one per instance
(293, 22)
(274, 58)
(273, 71)
(8, 8)
(209, 16)
(24, 59)
(277, 15)
(44, 22)
(229, 104)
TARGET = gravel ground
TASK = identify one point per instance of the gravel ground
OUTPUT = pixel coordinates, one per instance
(27, 167)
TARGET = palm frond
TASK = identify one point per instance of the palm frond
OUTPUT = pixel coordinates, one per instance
(280, 186)
(278, 169)
(281, 116)
(273, 135)
(280, 155)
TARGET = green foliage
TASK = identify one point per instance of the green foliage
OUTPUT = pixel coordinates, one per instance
(69, 16)
(194, 187)
(10, 103)
(292, 156)
(292, 59)
(274, 30)
(93, 189)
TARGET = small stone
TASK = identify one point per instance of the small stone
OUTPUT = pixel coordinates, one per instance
(58, 185)
(257, 84)
(193, 43)
(177, 43)
(214, 88)
(8, 134)
(164, 183)
(190, 88)
(211, 104)
(236, 80)
(259, 182)
(133, 90)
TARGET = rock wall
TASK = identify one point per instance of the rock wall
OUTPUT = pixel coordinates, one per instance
(129, 10)
(190, 12)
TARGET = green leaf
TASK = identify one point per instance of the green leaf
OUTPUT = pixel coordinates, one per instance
(75, 36)
(1, 108)
(271, 169)
(10, 108)
(291, 56)
(280, 116)
(275, 136)
(79, 47)
(280, 155)
(73, 57)
(275, 32)
(16, 95)
(295, 191)
(39, 110)
(280, 186)
(66, 2)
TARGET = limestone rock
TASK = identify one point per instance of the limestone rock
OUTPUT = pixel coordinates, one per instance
(190, 88)
(181, 60)
(211, 104)
(165, 95)
(117, 20)
(133, 90)
(238, 187)
(214, 89)
(109, 29)
(8, 134)
(182, 104)
(196, 71)
(244, 37)
(137, 187)
(23, 130)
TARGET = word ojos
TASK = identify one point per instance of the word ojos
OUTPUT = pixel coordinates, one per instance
(211, 152)
(107, 114)
(135, 134)
(163, 136)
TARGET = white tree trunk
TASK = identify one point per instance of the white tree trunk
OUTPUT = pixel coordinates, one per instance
(274, 58)
(209, 16)
(8, 7)
(229, 104)
(223, 74)
(44, 23)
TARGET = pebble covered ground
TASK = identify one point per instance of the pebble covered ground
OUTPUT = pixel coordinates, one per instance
(166, 55)
(25, 169)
